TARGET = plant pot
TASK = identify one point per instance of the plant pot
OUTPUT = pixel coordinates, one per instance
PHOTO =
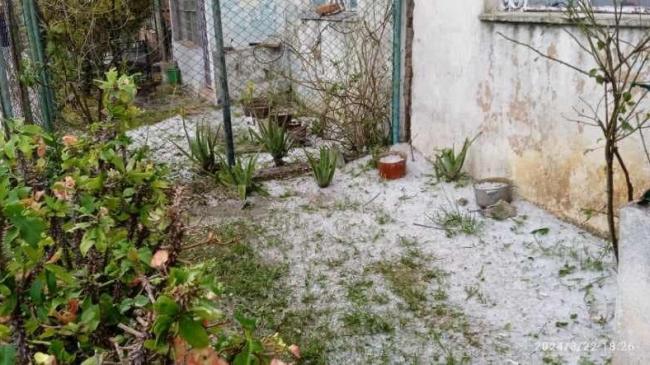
(489, 192)
(329, 9)
(392, 165)
(173, 75)
(283, 119)
(298, 133)
(258, 108)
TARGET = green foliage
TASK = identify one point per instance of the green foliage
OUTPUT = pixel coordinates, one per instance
(203, 148)
(241, 177)
(84, 40)
(88, 262)
(448, 165)
(323, 168)
(118, 94)
(275, 139)
(454, 222)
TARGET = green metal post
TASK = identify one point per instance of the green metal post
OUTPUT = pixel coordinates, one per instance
(223, 93)
(38, 56)
(397, 71)
(5, 89)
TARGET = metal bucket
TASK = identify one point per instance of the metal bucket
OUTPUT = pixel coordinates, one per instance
(490, 191)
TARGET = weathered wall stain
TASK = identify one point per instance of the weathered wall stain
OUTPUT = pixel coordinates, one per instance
(520, 102)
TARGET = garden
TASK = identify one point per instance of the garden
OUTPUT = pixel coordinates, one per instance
(129, 238)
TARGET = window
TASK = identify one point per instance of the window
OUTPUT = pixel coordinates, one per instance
(602, 5)
(186, 27)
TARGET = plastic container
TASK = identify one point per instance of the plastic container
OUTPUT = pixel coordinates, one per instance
(173, 75)
(392, 166)
(489, 192)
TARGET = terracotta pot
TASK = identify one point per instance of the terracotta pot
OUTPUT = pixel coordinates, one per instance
(329, 9)
(392, 165)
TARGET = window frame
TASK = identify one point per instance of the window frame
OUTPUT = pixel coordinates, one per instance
(522, 5)
(188, 26)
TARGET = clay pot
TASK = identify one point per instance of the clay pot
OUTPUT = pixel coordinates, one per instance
(329, 9)
(392, 165)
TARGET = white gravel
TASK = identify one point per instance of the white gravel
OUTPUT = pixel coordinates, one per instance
(538, 297)
(529, 290)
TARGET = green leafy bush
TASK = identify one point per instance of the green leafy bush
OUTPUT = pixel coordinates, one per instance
(88, 264)
(275, 139)
(448, 165)
(203, 147)
(324, 167)
(241, 177)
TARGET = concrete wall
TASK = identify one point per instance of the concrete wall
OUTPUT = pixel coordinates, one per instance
(468, 79)
(633, 304)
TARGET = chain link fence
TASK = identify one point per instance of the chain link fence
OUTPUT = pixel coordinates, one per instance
(21, 96)
(287, 59)
(319, 67)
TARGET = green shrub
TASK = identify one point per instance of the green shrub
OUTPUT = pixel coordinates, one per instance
(275, 140)
(203, 147)
(241, 177)
(323, 168)
(88, 264)
(448, 165)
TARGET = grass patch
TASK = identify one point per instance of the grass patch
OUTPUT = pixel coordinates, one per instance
(357, 292)
(251, 284)
(454, 222)
(408, 278)
(361, 322)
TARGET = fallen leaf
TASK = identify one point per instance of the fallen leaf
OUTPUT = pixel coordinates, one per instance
(70, 140)
(44, 359)
(159, 259)
(42, 148)
(295, 351)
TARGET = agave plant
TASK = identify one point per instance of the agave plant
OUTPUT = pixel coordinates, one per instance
(324, 167)
(275, 140)
(240, 177)
(448, 165)
(203, 147)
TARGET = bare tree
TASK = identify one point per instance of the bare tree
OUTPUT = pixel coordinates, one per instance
(620, 66)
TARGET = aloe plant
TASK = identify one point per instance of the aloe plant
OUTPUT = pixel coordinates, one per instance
(275, 140)
(324, 167)
(203, 147)
(241, 177)
(448, 165)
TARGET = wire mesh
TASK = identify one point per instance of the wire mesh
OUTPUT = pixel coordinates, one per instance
(328, 60)
(16, 64)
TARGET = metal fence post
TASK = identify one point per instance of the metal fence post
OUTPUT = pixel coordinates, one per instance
(5, 90)
(397, 71)
(16, 50)
(223, 93)
(38, 56)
